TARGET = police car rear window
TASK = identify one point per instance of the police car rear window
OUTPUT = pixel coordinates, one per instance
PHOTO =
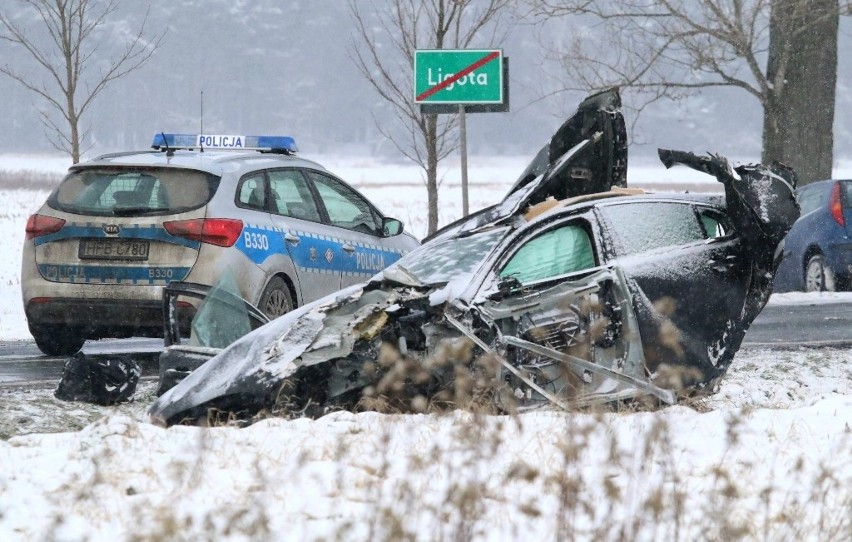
(133, 191)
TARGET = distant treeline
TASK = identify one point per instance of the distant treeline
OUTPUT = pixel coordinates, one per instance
(28, 179)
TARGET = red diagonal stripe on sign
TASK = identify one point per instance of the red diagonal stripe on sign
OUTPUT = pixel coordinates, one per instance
(450, 80)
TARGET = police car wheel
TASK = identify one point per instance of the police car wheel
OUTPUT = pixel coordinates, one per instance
(56, 340)
(276, 299)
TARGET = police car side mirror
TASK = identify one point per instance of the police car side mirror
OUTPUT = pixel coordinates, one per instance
(391, 227)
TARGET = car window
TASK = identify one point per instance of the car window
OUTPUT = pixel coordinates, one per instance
(810, 200)
(110, 191)
(715, 224)
(560, 251)
(251, 192)
(437, 263)
(219, 322)
(346, 209)
(640, 227)
(291, 195)
(847, 193)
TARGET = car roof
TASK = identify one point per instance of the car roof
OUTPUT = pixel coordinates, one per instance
(617, 196)
(821, 184)
(215, 161)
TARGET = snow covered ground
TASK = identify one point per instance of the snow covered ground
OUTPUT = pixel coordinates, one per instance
(769, 457)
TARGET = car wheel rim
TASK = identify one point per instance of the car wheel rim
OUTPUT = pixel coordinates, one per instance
(814, 278)
(277, 304)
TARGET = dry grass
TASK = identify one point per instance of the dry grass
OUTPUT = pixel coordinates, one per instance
(587, 480)
(638, 494)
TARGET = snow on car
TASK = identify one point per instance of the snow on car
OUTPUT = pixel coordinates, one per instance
(571, 291)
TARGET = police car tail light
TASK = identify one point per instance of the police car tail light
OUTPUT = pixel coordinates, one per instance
(222, 232)
(38, 225)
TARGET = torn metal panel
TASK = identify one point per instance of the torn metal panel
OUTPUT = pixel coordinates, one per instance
(761, 198)
(578, 364)
(346, 324)
(586, 155)
(579, 337)
(598, 121)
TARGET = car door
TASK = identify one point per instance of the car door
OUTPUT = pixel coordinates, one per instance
(357, 226)
(567, 322)
(309, 242)
(688, 274)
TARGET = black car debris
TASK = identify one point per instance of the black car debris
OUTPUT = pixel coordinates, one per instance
(574, 290)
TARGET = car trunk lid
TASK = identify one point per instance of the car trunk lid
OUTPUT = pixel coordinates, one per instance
(121, 225)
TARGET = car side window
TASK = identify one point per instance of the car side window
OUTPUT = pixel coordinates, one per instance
(560, 251)
(291, 196)
(346, 209)
(640, 227)
(251, 192)
(715, 224)
(809, 200)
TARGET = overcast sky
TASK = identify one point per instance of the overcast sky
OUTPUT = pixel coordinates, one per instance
(268, 67)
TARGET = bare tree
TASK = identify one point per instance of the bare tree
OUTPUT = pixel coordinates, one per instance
(386, 38)
(68, 56)
(781, 52)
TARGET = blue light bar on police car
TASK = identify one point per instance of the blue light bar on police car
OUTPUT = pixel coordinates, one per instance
(219, 142)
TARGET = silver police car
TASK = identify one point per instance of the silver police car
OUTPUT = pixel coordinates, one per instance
(121, 226)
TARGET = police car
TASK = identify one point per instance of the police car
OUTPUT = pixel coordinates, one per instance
(121, 226)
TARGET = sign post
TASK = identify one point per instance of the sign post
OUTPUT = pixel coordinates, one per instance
(462, 80)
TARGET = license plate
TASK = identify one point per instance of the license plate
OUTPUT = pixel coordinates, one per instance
(113, 249)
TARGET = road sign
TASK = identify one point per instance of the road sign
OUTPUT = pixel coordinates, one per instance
(458, 76)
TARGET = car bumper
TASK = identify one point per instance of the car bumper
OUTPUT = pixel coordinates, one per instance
(104, 318)
(838, 259)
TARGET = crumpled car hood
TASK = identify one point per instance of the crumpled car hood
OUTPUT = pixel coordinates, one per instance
(253, 367)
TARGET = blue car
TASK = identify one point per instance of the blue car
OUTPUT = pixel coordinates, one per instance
(818, 249)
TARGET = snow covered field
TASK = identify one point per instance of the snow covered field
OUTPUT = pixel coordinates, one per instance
(769, 457)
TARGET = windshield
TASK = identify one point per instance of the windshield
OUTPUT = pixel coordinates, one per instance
(437, 263)
(133, 191)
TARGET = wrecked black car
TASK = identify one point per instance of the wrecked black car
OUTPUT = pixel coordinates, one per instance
(572, 291)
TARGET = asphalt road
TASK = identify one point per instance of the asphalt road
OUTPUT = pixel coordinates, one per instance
(781, 326)
(825, 324)
(22, 363)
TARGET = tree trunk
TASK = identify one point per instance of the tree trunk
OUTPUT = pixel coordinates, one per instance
(432, 171)
(75, 140)
(798, 114)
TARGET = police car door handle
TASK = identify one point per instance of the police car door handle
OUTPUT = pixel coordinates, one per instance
(290, 238)
(348, 248)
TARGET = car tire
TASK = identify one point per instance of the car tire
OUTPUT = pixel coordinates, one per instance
(276, 299)
(816, 277)
(55, 340)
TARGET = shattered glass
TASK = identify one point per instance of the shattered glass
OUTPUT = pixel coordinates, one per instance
(448, 259)
(712, 226)
(219, 321)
